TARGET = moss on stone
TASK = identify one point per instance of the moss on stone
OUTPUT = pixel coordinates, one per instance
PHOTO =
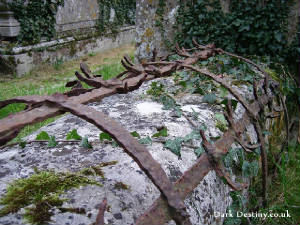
(39, 193)
(111, 163)
(73, 48)
(121, 185)
(97, 170)
(88, 171)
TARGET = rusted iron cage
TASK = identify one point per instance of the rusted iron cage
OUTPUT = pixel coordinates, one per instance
(170, 205)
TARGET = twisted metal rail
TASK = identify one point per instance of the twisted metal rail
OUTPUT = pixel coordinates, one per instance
(170, 204)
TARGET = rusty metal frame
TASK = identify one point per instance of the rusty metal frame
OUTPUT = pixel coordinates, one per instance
(170, 205)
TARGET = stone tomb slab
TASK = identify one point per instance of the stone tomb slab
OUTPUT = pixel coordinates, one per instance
(136, 111)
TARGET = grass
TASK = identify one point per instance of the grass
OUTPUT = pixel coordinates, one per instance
(283, 193)
(49, 79)
(283, 181)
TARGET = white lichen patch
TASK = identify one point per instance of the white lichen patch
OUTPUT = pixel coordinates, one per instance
(149, 108)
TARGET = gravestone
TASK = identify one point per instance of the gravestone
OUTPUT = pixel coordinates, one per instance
(136, 111)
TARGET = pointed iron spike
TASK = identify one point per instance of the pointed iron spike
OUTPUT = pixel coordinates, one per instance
(77, 85)
(127, 67)
(154, 55)
(78, 75)
(203, 135)
(71, 83)
(85, 69)
(177, 48)
(128, 60)
(152, 72)
(195, 42)
(233, 185)
(126, 87)
(229, 108)
(141, 81)
(121, 74)
(242, 144)
(123, 62)
(254, 86)
(8, 137)
(252, 146)
(273, 115)
(130, 68)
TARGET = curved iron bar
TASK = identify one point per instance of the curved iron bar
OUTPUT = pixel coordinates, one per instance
(136, 75)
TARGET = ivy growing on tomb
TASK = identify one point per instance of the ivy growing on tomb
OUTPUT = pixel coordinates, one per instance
(37, 19)
(250, 28)
(123, 11)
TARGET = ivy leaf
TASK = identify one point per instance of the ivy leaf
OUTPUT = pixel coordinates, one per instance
(193, 135)
(174, 146)
(114, 144)
(168, 102)
(233, 103)
(195, 114)
(244, 27)
(234, 156)
(22, 144)
(73, 135)
(178, 111)
(162, 133)
(135, 134)
(199, 151)
(52, 142)
(105, 136)
(210, 98)
(223, 92)
(85, 143)
(146, 141)
(220, 117)
(42, 136)
(250, 169)
(278, 36)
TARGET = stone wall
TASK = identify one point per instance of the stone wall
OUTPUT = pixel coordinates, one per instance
(76, 35)
(24, 59)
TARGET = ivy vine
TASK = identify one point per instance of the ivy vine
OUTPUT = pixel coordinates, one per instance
(36, 18)
(250, 27)
(124, 13)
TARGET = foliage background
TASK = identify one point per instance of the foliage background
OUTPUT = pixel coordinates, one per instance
(251, 27)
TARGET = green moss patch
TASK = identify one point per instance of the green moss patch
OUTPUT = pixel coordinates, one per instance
(97, 170)
(39, 193)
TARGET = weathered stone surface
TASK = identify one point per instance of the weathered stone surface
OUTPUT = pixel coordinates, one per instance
(136, 112)
(76, 35)
(9, 26)
(28, 57)
(150, 35)
(77, 14)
